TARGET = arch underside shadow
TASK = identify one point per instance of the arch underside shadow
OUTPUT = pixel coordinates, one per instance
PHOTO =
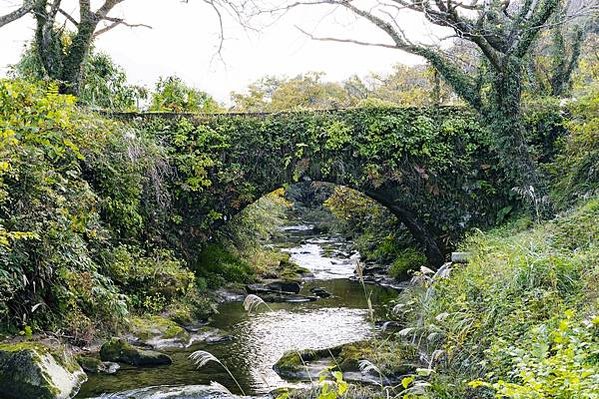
(425, 238)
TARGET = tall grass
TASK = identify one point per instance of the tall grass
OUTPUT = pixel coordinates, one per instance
(201, 358)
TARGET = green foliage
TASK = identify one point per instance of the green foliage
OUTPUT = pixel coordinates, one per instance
(218, 264)
(561, 361)
(306, 91)
(404, 86)
(104, 84)
(501, 317)
(151, 281)
(171, 94)
(50, 212)
(575, 172)
(408, 260)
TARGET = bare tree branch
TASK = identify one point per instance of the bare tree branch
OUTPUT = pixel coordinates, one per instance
(25, 8)
(333, 39)
(69, 17)
(118, 22)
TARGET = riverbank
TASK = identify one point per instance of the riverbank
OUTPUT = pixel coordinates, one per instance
(519, 320)
(250, 344)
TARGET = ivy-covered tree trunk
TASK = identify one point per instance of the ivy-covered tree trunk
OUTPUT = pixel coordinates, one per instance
(63, 54)
(72, 70)
(503, 115)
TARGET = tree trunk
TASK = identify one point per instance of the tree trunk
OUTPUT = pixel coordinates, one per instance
(432, 249)
(72, 71)
(504, 118)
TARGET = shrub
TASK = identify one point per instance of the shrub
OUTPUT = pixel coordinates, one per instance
(482, 322)
(151, 280)
(576, 170)
(219, 264)
(409, 259)
(48, 218)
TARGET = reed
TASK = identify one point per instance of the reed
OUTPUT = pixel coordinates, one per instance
(201, 358)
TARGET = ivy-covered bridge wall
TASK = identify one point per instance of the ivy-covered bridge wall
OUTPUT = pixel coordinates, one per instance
(433, 168)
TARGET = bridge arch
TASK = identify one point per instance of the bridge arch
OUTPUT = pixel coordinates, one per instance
(433, 168)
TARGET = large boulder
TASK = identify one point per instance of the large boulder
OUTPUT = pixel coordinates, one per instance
(119, 350)
(34, 371)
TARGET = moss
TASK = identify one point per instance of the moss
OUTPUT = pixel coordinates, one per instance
(291, 271)
(407, 260)
(292, 362)
(147, 328)
(31, 370)
(391, 357)
(219, 265)
(88, 363)
(59, 353)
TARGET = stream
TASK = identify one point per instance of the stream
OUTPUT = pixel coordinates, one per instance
(259, 339)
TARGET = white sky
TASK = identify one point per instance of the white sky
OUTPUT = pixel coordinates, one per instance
(184, 37)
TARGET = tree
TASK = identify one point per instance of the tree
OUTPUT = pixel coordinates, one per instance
(103, 85)
(308, 91)
(63, 60)
(504, 34)
(173, 95)
(409, 86)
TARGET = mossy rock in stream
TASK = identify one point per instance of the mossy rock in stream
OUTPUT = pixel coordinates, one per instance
(31, 370)
(291, 271)
(118, 350)
(392, 359)
(94, 365)
(293, 363)
(159, 332)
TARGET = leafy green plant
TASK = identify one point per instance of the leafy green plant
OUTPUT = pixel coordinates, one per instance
(560, 361)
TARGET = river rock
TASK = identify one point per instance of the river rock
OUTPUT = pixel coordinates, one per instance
(159, 333)
(278, 297)
(278, 286)
(93, 365)
(118, 350)
(308, 364)
(286, 286)
(34, 371)
(460, 257)
(320, 292)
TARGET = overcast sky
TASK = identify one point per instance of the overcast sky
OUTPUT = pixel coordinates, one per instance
(184, 37)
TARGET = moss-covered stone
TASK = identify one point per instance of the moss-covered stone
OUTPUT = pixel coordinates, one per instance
(293, 362)
(392, 359)
(159, 332)
(89, 364)
(31, 370)
(94, 365)
(118, 350)
(291, 271)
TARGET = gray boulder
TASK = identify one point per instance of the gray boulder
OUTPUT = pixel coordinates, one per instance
(30, 370)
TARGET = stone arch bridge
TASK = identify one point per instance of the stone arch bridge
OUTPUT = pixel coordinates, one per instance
(434, 169)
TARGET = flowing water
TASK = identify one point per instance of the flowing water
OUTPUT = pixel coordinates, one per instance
(261, 338)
